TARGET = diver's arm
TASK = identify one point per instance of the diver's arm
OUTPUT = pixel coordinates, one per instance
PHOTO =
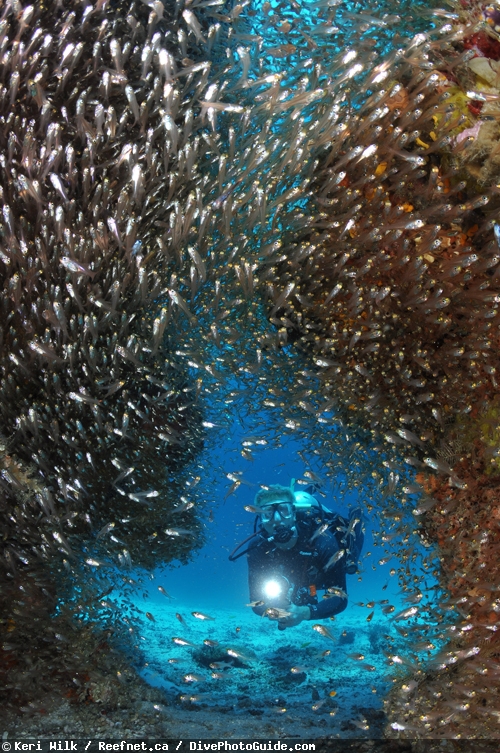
(327, 608)
(295, 615)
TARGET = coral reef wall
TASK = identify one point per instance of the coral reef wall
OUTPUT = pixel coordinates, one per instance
(393, 293)
(100, 418)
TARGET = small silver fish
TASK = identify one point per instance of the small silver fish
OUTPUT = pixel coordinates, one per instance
(201, 616)
(406, 613)
(496, 230)
(77, 267)
(193, 23)
(238, 655)
(57, 183)
(319, 531)
(178, 532)
(165, 593)
(182, 642)
(253, 509)
(335, 591)
(334, 559)
(322, 630)
(275, 614)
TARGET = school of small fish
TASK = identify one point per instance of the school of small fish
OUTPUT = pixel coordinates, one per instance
(188, 197)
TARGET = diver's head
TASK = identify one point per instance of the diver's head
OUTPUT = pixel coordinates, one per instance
(278, 519)
(305, 501)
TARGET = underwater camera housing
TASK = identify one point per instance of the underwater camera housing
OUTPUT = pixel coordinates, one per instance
(277, 591)
(303, 597)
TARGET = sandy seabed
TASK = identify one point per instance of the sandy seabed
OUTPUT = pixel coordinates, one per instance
(253, 695)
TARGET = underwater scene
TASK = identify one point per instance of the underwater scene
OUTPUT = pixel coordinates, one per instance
(249, 351)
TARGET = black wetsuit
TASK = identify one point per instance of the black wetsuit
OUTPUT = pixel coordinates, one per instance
(304, 566)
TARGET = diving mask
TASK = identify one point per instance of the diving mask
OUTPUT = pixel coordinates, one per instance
(284, 509)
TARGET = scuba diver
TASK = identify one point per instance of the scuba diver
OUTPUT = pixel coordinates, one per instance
(301, 547)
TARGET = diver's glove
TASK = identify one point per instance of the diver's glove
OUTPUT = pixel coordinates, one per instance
(295, 616)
